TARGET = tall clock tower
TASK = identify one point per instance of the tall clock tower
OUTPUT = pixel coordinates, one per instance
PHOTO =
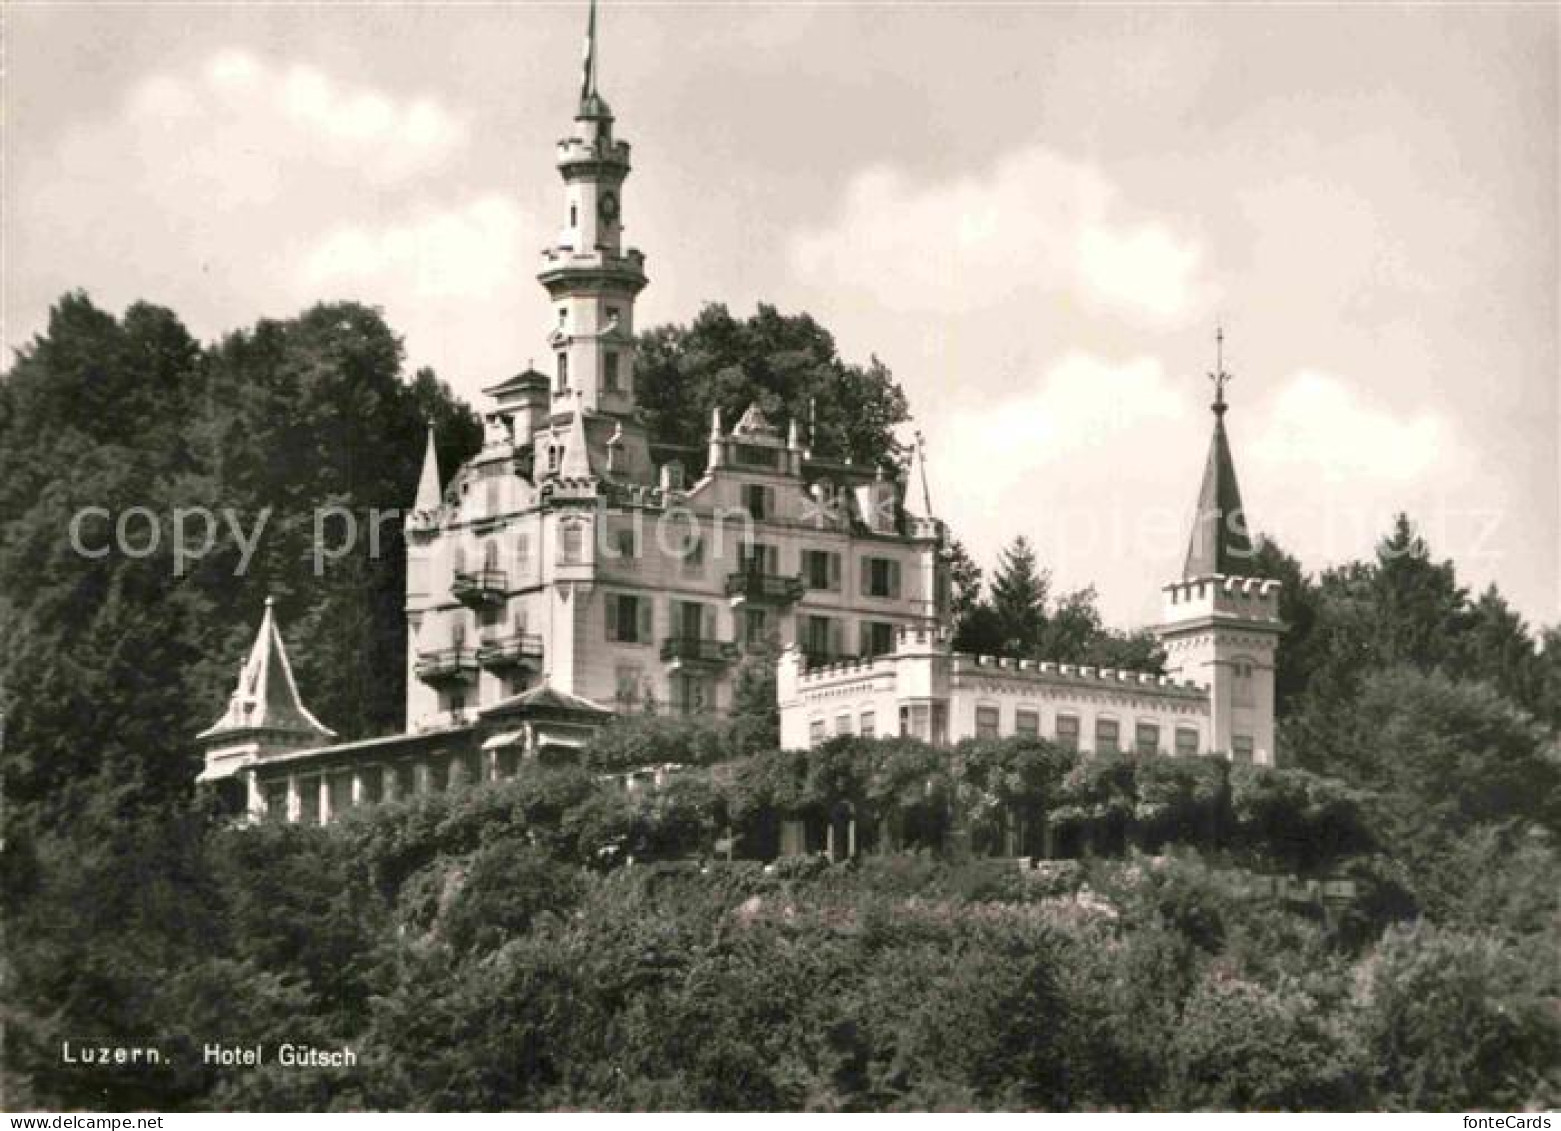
(590, 277)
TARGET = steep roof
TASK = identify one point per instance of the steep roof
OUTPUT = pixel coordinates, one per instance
(266, 697)
(1220, 542)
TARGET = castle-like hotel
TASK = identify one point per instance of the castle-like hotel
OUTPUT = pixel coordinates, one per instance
(574, 569)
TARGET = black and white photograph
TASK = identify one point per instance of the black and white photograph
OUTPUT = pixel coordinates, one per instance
(635, 556)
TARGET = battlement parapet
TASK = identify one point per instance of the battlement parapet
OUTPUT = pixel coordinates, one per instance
(1249, 597)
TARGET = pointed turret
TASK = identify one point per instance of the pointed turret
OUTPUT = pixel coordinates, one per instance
(918, 500)
(265, 714)
(1219, 543)
(1221, 626)
(428, 497)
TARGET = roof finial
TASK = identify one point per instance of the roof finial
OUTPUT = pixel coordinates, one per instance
(588, 63)
(1219, 376)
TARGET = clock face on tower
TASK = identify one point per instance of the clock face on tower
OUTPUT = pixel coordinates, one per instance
(607, 207)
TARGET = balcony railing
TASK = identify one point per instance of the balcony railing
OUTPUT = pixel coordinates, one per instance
(447, 665)
(478, 587)
(518, 649)
(763, 588)
(696, 651)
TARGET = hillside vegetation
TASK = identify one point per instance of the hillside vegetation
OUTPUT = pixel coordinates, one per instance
(558, 941)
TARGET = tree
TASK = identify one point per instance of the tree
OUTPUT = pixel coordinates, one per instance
(787, 365)
(1019, 593)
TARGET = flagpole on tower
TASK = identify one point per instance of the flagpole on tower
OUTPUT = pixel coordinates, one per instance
(588, 61)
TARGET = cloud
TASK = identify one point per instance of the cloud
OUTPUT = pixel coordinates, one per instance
(1319, 427)
(1037, 222)
(240, 186)
(457, 252)
(293, 113)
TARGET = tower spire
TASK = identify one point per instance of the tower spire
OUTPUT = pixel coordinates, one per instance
(428, 482)
(1220, 542)
(918, 499)
(266, 698)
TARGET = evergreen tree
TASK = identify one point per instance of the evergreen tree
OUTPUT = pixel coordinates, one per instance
(1019, 593)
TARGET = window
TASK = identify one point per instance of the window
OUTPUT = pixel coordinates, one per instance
(522, 553)
(1068, 732)
(1108, 734)
(869, 725)
(613, 314)
(438, 773)
(563, 371)
(373, 779)
(1146, 739)
(309, 801)
(820, 638)
(626, 684)
(758, 557)
(563, 316)
(625, 544)
(457, 634)
(880, 577)
(610, 371)
(574, 215)
(1241, 691)
(988, 720)
(915, 721)
(1027, 722)
(628, 619)
(756, 627)
(340, 789)
(571, 543)
(1241, 748)
(821, 569)
(405, 779)
(690, 694)
(693, 555)
(274, 797)
(842, 724)
(457, 703)
(876, 638)
(1186, 742)
(815, 731)
(759, 501)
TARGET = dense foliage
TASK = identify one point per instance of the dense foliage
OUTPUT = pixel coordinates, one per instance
(561, 941)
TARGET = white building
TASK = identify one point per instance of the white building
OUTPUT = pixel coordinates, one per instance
(1220, 632)
(575, 568)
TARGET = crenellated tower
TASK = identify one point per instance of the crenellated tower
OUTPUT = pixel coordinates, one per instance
(591, 278)
(1221, 626)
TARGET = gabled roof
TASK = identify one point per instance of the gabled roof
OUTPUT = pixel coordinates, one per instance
(526, 379)
(546, 699)
(266, 697)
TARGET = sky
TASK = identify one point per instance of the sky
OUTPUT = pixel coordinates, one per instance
(1035, 215)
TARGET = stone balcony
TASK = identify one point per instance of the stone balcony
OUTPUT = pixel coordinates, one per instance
(511, 652)
(445, 666)
(480, 588)
(696, 653)
(763, 588)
